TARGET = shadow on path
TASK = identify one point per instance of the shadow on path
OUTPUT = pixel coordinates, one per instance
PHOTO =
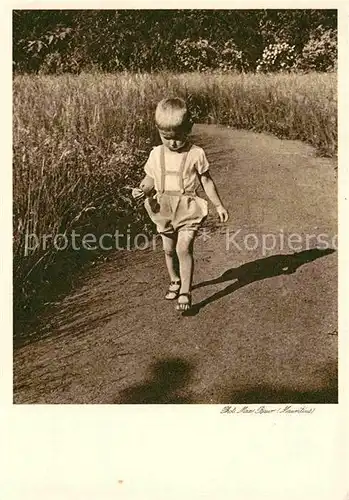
(260, 269)
(268, 395)
(171, 376)
(265, 394)
(168, 378)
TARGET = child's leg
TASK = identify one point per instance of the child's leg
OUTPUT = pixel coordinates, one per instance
(169, 245)
(185, 247)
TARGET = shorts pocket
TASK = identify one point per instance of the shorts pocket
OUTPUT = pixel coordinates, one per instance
(203, 205)
(152, 207)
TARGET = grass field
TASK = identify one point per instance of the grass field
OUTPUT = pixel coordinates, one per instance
(79, 143)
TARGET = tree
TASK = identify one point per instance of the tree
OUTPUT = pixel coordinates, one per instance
(144, 40)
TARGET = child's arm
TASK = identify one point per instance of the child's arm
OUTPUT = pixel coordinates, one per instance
(212, 193)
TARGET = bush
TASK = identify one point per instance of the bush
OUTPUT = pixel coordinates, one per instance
(204, 55)
(279, 56)
(320, 52)
(231, 58)
(195, 55)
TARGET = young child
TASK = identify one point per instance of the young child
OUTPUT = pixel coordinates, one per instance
(172, 173)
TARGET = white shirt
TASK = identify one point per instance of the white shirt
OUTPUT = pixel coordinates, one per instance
(196, 163)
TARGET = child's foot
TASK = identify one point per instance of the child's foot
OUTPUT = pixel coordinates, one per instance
(184, 302)
(173, 290)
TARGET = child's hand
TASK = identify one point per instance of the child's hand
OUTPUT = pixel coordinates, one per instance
(147, 186)
(222, 213)
(137, 194)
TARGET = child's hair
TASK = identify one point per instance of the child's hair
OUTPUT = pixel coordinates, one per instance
(173, 113)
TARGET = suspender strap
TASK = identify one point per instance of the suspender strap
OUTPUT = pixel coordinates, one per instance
(164, 172)
(181, 171)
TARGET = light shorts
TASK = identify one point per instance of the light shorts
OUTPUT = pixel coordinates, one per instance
(177, 212)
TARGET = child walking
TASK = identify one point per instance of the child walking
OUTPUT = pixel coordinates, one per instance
(172, 173)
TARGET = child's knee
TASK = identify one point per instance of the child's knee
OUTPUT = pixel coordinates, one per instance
(183, 249)
(185, 244)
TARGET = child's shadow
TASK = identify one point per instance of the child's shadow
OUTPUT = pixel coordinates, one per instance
(255, 271)
(169, 378)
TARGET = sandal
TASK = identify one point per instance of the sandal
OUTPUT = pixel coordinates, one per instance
(173, 290)
(184, 306)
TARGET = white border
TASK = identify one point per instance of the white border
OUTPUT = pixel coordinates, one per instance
(161, 451)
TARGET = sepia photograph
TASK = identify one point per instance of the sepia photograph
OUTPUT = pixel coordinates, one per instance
(175, 207)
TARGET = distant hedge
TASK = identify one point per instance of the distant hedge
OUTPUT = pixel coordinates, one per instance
(59, 41)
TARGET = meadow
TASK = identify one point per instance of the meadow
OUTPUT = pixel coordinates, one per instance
(80, 142)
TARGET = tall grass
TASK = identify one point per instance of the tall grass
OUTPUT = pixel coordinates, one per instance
(79, 143)
(291, 106)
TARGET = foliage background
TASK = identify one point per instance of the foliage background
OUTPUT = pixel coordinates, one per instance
(73, 41)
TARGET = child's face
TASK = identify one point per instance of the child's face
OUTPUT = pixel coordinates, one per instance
(174, 140)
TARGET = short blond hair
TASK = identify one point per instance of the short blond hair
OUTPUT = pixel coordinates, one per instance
(172, 113)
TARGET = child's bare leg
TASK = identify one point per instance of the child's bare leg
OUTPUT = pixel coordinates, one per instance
(185, 246)
(169, 245)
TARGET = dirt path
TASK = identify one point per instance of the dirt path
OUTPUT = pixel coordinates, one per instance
(264, 325)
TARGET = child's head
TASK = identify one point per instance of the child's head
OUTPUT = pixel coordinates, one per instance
(173, 121)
